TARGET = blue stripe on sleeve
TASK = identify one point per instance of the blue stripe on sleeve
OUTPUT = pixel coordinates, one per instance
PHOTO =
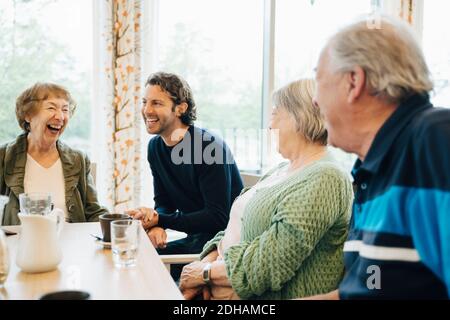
(385, 213)
(423, 214)
(429, 221)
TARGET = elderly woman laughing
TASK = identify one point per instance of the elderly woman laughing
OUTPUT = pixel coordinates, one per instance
(37, 161)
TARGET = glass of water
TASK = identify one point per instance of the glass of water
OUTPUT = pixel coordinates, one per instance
(125, 242)
(35, 203)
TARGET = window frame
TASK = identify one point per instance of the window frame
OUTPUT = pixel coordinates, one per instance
(388, 7)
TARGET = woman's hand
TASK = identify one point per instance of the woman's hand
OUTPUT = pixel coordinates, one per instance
(148, 216)
(211, 257)
(192, 276)
(206, 293)
(191, 293)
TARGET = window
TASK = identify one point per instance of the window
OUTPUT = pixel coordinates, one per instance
(217, 47)
(47, 41)
(302, 28)
(436, 44)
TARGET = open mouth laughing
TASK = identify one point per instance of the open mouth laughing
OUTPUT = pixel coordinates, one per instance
(151, 122)
(54, 128)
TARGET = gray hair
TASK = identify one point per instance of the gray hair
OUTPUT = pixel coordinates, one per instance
(390, 56)
(297, 99)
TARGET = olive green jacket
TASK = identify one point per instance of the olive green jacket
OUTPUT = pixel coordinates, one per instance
(81, 197)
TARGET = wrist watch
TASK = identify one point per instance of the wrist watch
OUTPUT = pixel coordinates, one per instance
(206, 274)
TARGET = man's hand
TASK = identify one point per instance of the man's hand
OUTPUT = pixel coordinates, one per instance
(158, 237)
(148, 216)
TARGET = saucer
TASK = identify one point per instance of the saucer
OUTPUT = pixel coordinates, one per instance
(11, 230)
(106, 245)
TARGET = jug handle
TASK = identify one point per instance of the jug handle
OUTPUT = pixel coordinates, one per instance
(60, 218)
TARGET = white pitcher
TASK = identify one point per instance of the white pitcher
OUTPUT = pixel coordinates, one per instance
(39, 249)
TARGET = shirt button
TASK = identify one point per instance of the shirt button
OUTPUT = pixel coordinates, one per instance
(71, 207)
(364, 186)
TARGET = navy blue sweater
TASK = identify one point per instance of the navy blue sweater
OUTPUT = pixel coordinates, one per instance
(195, 182)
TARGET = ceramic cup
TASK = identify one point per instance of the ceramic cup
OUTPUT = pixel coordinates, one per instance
(105, 223)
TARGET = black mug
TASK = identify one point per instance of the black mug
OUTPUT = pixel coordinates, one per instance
(66, 295)
(105, 223)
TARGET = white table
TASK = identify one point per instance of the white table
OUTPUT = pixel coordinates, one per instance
(88, 266)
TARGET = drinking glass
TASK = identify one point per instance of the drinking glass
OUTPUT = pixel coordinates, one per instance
(35, 203)
(125, 242)
(4, 259)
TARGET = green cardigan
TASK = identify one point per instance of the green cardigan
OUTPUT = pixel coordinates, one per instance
(292, 236)
(81, 197)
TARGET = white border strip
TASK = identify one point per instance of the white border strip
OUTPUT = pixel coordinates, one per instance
(382, 253)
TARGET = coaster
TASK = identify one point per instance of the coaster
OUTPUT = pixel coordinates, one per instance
(106, 245)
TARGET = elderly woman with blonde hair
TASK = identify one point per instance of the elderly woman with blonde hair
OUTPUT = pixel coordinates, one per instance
(285, 235)
(38, 162)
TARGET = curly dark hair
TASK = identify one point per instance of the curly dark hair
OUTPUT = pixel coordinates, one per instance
(178, 90)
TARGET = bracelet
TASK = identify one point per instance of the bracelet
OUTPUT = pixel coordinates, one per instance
(206, 274)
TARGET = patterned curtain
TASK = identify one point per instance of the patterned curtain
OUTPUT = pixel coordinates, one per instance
(121, 77)
(406, 11)
(412, 12)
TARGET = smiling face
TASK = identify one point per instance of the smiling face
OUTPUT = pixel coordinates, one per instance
(159, 112)
(50, 121)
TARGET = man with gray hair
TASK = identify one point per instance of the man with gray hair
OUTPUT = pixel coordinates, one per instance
(373, 90)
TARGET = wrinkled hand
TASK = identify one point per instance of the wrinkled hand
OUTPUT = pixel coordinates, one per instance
(206, 293)
(191, 277)
(158, 237)
(148, 216)
(191, 293)
(211, 257)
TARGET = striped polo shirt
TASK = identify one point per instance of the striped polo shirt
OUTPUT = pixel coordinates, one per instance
(399, 241)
